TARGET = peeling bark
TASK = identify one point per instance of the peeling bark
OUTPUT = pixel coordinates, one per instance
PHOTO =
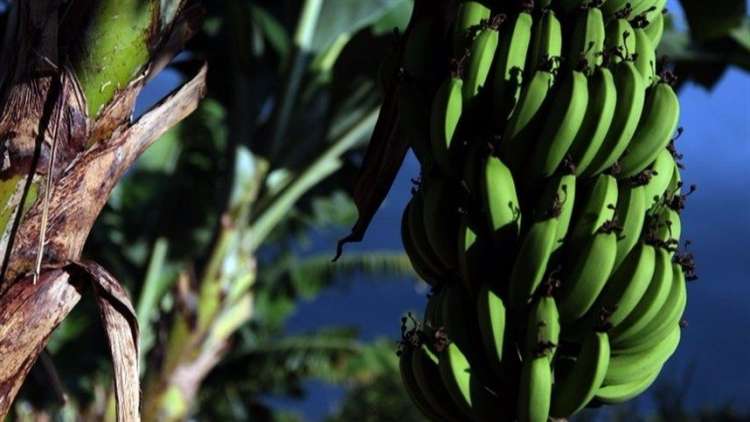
(44, 114)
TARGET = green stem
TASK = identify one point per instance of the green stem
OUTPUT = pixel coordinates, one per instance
(116, 48)
(154, 288)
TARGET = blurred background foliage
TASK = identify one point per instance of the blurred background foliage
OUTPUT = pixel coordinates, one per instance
(213, 231)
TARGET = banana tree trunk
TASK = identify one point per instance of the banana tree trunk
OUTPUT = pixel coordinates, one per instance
(71, 72)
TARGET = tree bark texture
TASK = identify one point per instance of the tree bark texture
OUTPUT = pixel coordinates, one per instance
(71, 73)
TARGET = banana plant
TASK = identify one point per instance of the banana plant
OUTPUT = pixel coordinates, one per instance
(70, 76)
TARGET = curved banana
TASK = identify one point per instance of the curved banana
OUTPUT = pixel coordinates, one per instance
(573, 392)
(645, 56)
(628, 367)
(631, 93)
(669, 317)
(546, 44)
(658, 123)
(587, 40)
(412, 389)
(500, 201)
(652, 10)
(655, 29)
(628, 284)
(465, 387)
(531, 261)
(561, 125)
(631, 215)
(447, 107)
(553, 214)
(470, 15)
(535, 390)
(510, 61)
(596, 123)
(492, 326)
(426, 373)
(591, 265)
(429, 258)
(620, 41)
(653, 300)
(620, 393)
(662, 171)
(522, 127)
(415, 258)
(543, 328)
(597, 208)
(481, 56)
(440, 218)
(667, 228)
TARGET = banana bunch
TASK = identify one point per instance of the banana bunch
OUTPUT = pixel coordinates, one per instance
(547, 214)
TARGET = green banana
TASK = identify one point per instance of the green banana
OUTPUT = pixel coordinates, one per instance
(597, 208)
(492, 326)
(481, 56)
(470, 15)
(426, 372)
(628, 284)
(587, 40)
(629, 367)
(500, 201)
(645, 56)
(658, 123)
(531, 261)
(620, 393)
(425, 253)
(561, 125)
(521, 130)
(631, 215)
(620, 40)
(546, 44)
(599, 115)
(465, 387)
(574, 391)
(654, 298)
(543, 328)
(447, 107)
(651, 9)
(509, 65)
(417, 261)
(655, 29)
(553, 214)
(662, 171)
(440, 218)
(631, 93)
(667, 228)
(669, 317)
(591, 265)
(535, 390)
(412, 389)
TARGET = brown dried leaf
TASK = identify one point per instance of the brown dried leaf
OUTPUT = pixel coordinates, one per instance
(121, 325)
(387, 148)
